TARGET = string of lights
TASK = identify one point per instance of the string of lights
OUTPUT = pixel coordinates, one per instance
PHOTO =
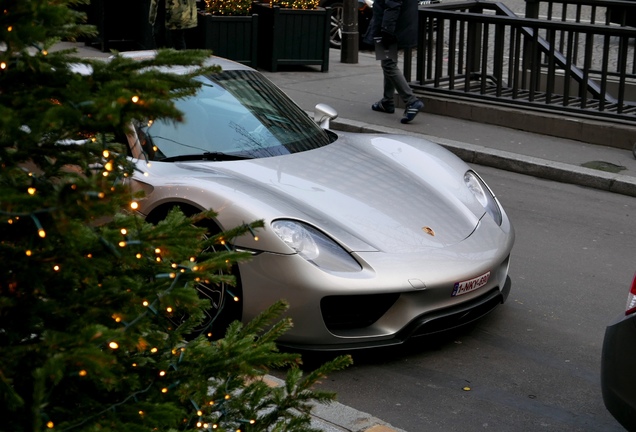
(244, 7)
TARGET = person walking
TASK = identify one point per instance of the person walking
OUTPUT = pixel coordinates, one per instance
(395, 22)
(169, 19)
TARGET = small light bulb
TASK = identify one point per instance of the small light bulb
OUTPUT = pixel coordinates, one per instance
(106, 153)
(154, 350)
(145, 303)
(83, 373)
(29, 253)
(169, 309)
(135, 99)
(41, 233)
(31, 191)
(134, 205)
(162, 373)
(123, 231)
(164, 390)
(50, 425)
(113, 345)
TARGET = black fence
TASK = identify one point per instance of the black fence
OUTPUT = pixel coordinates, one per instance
(569, 56)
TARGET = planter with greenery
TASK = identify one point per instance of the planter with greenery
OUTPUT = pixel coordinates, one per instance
(293, 32)
(228, 28)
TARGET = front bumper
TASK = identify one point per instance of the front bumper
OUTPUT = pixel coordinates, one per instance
(368, 310)
(426, 324)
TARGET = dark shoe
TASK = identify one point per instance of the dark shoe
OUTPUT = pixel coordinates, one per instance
(380, 106)
(411, 111)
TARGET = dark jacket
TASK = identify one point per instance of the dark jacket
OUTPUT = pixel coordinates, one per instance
(394, 17)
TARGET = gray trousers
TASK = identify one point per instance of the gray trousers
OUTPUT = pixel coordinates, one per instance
(394, 81)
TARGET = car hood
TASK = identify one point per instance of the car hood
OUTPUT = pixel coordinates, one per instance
(369, 192)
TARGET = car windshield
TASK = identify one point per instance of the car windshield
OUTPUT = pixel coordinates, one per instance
(235, 115)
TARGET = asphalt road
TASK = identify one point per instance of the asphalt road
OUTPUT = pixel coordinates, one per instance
(533, 364)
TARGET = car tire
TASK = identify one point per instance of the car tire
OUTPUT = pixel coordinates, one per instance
(226, 301)
(224, 309)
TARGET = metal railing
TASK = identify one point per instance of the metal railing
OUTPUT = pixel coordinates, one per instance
(572, 59)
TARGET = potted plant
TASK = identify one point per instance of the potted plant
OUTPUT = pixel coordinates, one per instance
(293, 32)
(228, 28)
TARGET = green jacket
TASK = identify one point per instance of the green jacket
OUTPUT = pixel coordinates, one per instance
(180, 14)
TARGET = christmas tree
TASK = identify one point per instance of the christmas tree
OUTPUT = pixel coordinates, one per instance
(101, 324)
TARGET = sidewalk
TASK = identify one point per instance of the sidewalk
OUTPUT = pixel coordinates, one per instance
(352, 88)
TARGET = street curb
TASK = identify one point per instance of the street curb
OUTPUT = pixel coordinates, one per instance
(529, 165)
(336, 417)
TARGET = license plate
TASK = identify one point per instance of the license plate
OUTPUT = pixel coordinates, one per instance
(470, 284)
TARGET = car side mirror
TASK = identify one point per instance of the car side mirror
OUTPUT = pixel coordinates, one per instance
(323, 114)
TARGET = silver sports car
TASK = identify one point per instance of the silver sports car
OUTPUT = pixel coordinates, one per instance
(371, 239)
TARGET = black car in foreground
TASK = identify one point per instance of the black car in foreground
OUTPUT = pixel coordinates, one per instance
(618, 364)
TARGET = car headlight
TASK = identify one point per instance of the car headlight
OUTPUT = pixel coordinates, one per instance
(315, 247)
(483, 194)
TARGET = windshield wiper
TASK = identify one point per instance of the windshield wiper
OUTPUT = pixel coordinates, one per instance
(207, 156)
